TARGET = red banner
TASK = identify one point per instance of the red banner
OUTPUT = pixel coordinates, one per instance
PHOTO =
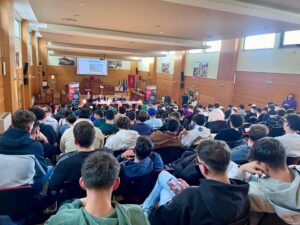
(131, 81)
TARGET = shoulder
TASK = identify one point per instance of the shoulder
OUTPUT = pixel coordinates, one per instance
(135, 213)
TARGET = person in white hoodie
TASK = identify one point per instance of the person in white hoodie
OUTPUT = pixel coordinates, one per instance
(124, 138)
(216, 114)
(274, 187)
(199, 131)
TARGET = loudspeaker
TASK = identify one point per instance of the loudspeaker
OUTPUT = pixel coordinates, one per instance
(182, 76)
(181, 85)
(136, 70)
(25, 69)
(25, 80)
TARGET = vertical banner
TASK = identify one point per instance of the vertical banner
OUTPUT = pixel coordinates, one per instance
(131, 81)
(73, 92)
(151, 94)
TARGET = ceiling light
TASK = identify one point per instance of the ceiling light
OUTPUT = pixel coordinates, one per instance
(81, 4)
(161, 32)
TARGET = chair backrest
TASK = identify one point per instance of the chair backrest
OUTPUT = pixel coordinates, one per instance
(136, 189)
(169, 154)
(271, 219)
(293, 160)
(17, 202)
(216, 126)
(70, 190)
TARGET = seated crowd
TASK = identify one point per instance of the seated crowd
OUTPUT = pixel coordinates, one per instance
(234, 164)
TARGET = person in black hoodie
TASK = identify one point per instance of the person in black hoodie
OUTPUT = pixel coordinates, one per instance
(233, 136)
(16, 140)
(218, 200)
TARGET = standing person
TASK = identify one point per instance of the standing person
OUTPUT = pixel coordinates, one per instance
(290, 100)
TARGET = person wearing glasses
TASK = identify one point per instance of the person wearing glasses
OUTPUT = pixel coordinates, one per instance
(217, 200)
(291, 139)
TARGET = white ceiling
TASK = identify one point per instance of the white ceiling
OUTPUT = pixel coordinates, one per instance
(157, 25)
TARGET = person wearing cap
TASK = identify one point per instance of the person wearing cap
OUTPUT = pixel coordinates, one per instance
(153, 122)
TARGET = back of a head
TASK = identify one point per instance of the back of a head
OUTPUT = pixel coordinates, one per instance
(172, 125)
(271, 107)
(151, 112)
(131, 115)
(84, 113)
(122, 110)
(215, 154)
(36, 125)
(38, 112)
(144, 147)
(143, 116)
(236, 120)
(293, 121)
(258, 131)
(281, 112)
(123, 123)
(241, 106)
(175, 115)
(199, 119)
(109, 114)
(84, 134)
(21, 119)
(99, 112)
(100, 170)
(269, 151)
(217, 105)
(290, 111)
(71, 118)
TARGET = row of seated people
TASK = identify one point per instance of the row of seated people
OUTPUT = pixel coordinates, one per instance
(166, 136)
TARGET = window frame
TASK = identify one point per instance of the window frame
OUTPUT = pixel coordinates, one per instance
(281, 41)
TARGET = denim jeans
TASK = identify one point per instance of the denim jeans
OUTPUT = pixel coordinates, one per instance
(160, 194)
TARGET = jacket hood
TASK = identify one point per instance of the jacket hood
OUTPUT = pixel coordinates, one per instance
(15, 138)
(284, 197)
(204, 131)
(232, 199)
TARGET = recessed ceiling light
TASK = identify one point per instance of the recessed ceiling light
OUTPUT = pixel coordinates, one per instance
(157, 26)
(161, 32)
(81, 4)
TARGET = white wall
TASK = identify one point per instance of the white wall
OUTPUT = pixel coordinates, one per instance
(277, 60)
(144, 64)
(211, 57)
(167, 59)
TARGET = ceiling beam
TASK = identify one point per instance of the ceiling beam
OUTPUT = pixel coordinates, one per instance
(121, 36)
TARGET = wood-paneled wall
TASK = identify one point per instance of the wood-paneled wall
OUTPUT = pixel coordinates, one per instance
(253, 87)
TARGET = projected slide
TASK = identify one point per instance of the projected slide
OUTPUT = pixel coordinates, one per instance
(86, 66)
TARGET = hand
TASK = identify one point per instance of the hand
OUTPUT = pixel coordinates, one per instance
(183, 133)
(182, 184)
(41, 137)
(83, 201)
(253, 167)
(128, 154)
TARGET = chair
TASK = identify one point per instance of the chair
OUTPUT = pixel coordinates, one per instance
(169, 154)
(17, 202)
(293, 160)
(243, 221)
(136, 189)
(271, 219)
(216, 126)
(70, 190)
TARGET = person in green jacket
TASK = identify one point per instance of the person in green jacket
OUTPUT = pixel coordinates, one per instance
(99, 177)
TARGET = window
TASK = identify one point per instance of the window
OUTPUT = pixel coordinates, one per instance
(263, 41)
(17, 28)
(215, 46)
(290, 39)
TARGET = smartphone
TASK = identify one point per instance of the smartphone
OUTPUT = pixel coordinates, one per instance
(174, 183)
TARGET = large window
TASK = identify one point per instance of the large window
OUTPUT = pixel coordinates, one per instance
(215, 46)
(290, 39)
(263, 41)
(17, 28)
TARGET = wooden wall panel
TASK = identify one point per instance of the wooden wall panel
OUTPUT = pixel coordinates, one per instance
(252, 87)
(164, 84)
(66, 74)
